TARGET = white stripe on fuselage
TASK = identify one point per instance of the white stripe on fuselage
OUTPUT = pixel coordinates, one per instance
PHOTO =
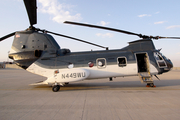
(108, 71)
(93, 72)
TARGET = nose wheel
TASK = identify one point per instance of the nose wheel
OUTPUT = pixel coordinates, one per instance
(55, 88)
(150, 85)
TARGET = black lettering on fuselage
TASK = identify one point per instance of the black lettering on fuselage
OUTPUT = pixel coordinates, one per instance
(83, 75)
(63, 76)
(73, 75)
(79, 74)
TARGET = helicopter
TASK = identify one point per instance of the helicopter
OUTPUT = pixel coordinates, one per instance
(36, 51)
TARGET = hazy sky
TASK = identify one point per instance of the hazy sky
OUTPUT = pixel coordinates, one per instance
(153, 17)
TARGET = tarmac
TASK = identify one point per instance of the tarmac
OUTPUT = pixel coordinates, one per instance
(121, 99)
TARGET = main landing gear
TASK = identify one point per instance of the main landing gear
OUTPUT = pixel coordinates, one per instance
(150, 85)
(55, 88)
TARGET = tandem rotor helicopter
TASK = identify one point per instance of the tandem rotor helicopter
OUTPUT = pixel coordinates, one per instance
(37, 52)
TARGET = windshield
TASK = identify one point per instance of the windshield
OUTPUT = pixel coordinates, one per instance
(160, 59)
(164, 56)
(158, 56)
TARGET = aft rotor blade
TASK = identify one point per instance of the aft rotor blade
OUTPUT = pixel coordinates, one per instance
(76, 39)
(31, 11)
(7, 36)
(122, 31)
(100, 27)
(169, 37)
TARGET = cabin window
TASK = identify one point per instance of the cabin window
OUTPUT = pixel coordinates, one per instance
(101, 62)
(121, 61)
(159, 59)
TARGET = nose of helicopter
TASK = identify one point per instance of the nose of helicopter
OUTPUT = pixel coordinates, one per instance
(169, 65)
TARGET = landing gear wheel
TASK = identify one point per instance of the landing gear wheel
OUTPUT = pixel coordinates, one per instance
(151, 84)
(55, 88)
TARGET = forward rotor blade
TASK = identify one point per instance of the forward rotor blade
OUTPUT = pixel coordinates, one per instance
(100, 27)
(7, 36)
(31, 11)
(76, 39)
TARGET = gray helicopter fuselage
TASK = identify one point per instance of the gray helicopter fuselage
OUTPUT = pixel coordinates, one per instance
(40, 48)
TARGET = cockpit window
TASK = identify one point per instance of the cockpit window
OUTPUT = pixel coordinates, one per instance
(158, 56)
(164, 57)
(159, 59)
